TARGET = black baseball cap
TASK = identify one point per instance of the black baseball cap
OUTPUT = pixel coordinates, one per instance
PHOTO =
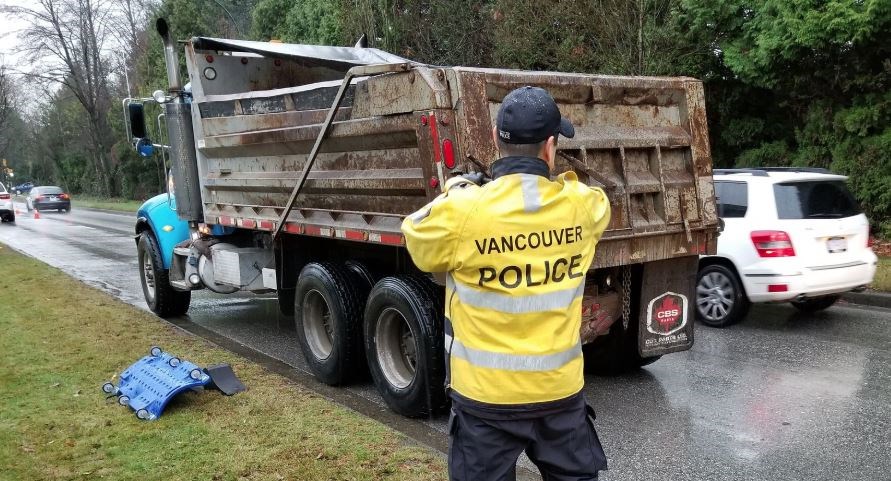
(529, 115)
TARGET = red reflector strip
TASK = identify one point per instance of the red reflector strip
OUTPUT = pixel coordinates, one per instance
(319, 231)
(350, 234)
(392, 239)
(434, 134)
(448, 153)
(356, 235)
(267, 225)
(226, 220)
(248, 223)
(777, 288)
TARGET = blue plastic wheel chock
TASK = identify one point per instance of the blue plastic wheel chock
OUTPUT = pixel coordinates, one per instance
(151, 382)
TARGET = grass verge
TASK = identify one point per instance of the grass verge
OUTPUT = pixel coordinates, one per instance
(61, 340)
(122, 205)
(882, 280)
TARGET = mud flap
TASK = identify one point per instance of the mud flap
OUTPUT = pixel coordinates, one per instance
(223, 378)
(666, 306)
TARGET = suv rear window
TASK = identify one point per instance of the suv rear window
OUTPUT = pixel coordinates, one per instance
(823, 199)
(733, 199)
(50, 190)
(2, 189)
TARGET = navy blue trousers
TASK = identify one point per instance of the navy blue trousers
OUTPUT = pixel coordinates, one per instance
(563, 445)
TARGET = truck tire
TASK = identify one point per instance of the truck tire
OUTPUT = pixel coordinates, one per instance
(162, 299)
(328, 305)
(720, 298)
(404, 344)
(816, 303)
(615, 353)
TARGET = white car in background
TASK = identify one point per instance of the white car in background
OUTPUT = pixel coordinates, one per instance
(793, 235)
(7, 208)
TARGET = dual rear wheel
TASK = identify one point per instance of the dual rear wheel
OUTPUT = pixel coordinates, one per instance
(349, 323)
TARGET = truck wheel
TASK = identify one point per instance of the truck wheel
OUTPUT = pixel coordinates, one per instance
(615, 353)
(162, 299)
(816, 303)
(328, 316)
(720, 298)
(404, 344)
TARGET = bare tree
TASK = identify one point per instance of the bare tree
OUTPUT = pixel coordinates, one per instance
(130, 32)
(64, 42)
(6, 108)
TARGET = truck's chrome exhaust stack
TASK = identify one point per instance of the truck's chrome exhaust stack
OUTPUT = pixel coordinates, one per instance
(170, 57)
(184, 161)
(181, 137)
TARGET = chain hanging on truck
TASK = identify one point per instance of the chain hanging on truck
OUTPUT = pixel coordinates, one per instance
(626, 296)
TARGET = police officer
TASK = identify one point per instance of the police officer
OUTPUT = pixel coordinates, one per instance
(516, 251)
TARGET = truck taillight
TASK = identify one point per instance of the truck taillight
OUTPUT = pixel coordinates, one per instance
(772, 243)
(448, 154)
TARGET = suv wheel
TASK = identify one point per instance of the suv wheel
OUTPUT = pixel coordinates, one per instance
(720, 299)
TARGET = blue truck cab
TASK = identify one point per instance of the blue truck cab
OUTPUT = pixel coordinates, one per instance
(158, 215)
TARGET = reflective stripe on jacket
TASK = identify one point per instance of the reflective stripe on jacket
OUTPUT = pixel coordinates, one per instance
(516, 251)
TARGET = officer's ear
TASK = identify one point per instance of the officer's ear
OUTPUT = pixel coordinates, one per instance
(495, 135)
(549, 151)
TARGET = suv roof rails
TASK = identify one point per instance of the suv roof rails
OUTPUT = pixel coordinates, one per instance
(755, 172)
(764, 171)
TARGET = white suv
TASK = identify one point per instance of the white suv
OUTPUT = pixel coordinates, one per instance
(789, 235)
(7, 208)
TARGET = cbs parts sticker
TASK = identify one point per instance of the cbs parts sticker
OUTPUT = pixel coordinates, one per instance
(667, 314)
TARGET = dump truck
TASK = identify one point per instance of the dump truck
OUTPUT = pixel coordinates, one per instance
(293, 166)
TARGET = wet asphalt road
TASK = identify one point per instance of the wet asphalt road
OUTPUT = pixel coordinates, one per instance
(781, 396)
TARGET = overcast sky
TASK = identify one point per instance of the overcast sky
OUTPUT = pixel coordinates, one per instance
(9, 29)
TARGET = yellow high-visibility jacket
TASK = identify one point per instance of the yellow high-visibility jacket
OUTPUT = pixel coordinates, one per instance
(516, 252)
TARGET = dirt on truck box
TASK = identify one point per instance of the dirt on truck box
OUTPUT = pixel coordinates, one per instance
(256, 114)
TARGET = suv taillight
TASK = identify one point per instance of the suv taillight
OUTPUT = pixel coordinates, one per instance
(5, 196)
(772, 243)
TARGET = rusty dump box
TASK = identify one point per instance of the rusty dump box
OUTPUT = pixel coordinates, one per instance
(257, 109)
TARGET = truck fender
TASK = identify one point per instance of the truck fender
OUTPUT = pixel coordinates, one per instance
(162, 222)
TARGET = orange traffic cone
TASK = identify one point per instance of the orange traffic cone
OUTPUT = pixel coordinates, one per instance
(36, 214)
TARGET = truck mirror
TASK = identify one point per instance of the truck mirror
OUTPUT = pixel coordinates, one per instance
(137, 119)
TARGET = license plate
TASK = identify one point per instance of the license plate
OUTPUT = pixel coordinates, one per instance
(836, 244)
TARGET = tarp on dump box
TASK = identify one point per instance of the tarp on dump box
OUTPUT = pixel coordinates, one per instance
(345, 57)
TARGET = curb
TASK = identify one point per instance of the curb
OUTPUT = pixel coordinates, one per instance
(869, 298)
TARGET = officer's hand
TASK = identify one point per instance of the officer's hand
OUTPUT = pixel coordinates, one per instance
(477, 178)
